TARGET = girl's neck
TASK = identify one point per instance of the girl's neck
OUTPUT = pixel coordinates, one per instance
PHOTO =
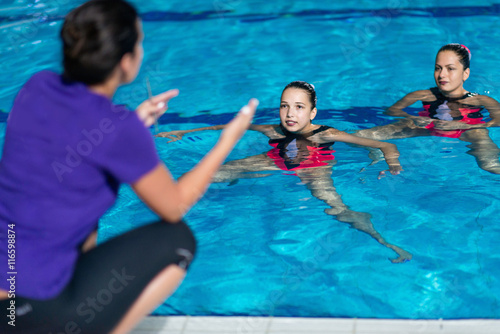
(307, 130)
(457, 93)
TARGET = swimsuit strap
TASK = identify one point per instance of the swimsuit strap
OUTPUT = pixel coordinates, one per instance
(305, 135)
(441, 97)
(290, 136)
(320, 129)
(470, 94)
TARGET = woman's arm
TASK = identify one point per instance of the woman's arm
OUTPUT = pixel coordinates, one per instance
(396, 109)
(487, 102)
(178, 134)
(390, 151)
(493, 108)
(269, 130)
(171, 199)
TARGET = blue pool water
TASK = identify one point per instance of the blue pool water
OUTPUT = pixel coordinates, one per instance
(266, 247)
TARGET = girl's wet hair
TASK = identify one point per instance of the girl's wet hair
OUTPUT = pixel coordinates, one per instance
(304, 86)
(461, 51)
(95, 37)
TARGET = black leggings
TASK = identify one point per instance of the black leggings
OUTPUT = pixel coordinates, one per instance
(106, 282)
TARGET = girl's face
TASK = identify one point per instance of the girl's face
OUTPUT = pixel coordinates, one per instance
(296, 112)
(449, 74)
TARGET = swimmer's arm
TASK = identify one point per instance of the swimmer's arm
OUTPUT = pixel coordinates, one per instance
(488, 103)
(171, 199)
(176, 135)
(266, 129)
(396, 109)
(493, 108)
(390, 151)
(270, 130)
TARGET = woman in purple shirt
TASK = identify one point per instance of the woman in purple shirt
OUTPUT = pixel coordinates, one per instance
(67, 149)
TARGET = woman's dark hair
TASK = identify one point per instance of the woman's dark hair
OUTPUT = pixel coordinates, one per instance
(461, 51)
(95, 37)
(304, 86)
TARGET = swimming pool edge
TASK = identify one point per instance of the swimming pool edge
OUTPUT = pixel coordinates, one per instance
(282, 325)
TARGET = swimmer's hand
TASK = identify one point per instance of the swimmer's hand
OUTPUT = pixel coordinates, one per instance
(173, 135)
(151, 109)
(235, 129)
(421, 121)
(403, 256)
(394, 169)
(451, 125)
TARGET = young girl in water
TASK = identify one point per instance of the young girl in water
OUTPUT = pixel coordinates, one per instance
(67, 149)
(449, 110)
(304, 148)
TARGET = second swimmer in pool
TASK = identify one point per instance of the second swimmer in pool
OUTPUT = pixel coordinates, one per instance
(449, 110)
(304, 148)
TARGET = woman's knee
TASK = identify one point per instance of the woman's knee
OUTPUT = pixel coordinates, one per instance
(180, 240)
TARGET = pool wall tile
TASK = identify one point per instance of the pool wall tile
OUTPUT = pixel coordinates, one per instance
(472, 327)
(311, 325)
(270, 325)
(233, 325)
(389, 326)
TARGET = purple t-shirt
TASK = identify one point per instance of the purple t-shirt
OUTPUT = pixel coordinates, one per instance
(66, 152)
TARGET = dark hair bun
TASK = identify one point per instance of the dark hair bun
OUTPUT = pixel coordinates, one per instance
(95, 37)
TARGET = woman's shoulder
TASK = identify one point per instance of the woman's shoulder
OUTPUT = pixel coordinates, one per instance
(423, 95)
(325, 130)
(45, 74)
(322, 128)
(273, 131)
(40, 79)
(480, 100)
(264, 127)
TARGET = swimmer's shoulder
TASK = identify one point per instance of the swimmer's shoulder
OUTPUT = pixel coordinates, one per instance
(481, 100)
(261, 127)
(329, 134)
(325, 129)
(272, 131)
(424, 95)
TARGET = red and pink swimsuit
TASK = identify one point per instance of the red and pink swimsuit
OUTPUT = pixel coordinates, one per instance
(297, 151)
(439, 110)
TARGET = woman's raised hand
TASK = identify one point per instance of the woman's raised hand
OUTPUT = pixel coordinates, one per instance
(151, 109)
(237, 127)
